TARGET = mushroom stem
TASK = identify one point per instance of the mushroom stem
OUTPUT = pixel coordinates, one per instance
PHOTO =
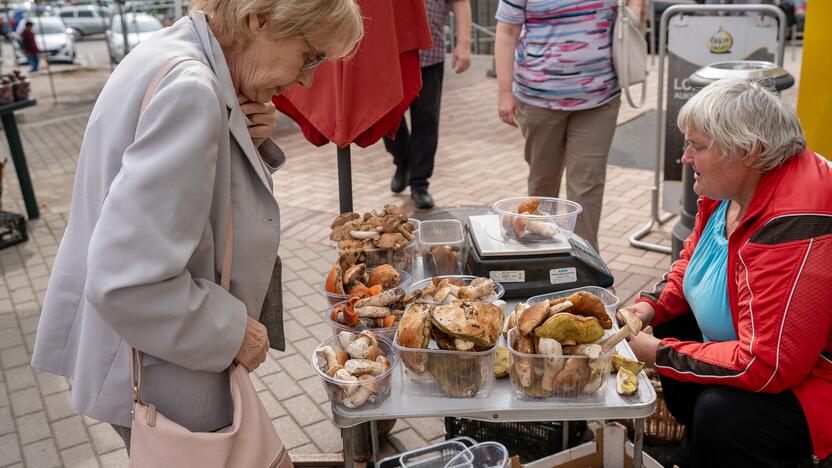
(632, 327)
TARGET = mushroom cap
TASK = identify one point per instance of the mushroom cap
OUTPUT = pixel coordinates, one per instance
(371, 336)
(633, 322)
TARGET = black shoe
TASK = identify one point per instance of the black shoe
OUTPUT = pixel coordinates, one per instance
(421, 197)
(399, 180)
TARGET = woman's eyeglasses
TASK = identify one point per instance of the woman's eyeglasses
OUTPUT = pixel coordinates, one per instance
(317, 60)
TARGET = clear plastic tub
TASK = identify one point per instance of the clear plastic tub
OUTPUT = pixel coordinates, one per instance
(561, 215)
(538, 376)
(499, 290)
(338, 327)
(378, 387)
(437, 372)
(441, 244)
(433, 456)
(404, 282)
(482, 455)
(609, 299)
(400, 259)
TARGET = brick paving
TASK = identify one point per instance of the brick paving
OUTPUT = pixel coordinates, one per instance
(479, 161)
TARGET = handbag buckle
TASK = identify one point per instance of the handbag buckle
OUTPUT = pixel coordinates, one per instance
(151, 415)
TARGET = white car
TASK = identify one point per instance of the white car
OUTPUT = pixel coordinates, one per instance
(140, 26)
(56, 40)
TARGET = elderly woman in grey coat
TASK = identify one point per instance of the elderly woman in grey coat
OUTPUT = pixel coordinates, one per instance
(139, 263)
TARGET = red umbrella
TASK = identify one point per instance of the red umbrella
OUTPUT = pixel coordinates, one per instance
(361, 99)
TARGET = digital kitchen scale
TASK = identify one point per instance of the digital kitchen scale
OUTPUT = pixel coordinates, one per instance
(527, 269)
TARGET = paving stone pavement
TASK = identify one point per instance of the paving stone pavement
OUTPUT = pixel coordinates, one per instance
(479, 161)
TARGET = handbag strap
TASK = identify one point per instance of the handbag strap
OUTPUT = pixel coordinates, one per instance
(228, 249)
(625, 18)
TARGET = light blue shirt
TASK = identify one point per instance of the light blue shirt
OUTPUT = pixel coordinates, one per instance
(706, 280)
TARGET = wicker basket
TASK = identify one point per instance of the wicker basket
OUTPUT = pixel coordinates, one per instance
(660, 428)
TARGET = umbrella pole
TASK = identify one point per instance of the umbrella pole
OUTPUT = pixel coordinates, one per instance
(344, 179)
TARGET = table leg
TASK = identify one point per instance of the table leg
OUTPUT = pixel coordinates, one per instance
(639, 443)
(349, 456)
(374, 440)
(564, 435)
(19, 158)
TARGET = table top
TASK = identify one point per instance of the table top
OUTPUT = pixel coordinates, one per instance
(15, 106)
(501, 405)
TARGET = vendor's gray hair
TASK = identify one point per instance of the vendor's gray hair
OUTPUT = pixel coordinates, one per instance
(743, 118)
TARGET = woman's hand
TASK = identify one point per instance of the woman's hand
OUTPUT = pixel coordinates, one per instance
(644, 346)
(263, 119)
(507, 108)
(255, 345)
(643, 310)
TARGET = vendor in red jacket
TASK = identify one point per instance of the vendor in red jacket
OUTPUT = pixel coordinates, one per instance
(746, 311)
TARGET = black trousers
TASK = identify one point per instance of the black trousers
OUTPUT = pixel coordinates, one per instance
(729, 427)
(415, 149)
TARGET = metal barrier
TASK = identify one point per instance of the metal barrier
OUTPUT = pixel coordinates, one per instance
(661, 121)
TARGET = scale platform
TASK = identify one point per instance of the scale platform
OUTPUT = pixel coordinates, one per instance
(528, 269)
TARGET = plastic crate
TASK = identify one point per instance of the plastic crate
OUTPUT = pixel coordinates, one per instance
(529, 440)
(435, 455)
(12, 229)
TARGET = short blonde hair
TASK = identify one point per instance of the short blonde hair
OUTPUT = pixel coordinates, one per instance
(333, 26)
(744, 118)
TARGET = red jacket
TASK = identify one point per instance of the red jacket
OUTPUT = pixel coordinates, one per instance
(780, 293)
(30, 45)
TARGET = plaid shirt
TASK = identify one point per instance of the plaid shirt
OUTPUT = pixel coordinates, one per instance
(437, 11)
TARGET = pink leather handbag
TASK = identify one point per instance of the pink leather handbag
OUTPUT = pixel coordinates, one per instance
(250, 440)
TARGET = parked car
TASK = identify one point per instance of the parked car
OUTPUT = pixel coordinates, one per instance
(85, 20)
(56, 41)
(139, 27)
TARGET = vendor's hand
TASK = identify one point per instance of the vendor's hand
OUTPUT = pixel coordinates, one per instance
(263, 119)
(461, 58)
(255, 345)
(643, 310)
(644, 346)
(507, 108)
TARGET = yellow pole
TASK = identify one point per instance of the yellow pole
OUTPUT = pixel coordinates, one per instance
(814, 100)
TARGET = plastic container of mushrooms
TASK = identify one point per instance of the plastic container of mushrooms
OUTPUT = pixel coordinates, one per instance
(536, 219)
(609, 299)
(334, 298)
(548, 370)
(355, 369)
(446, 297)
(446, 373)
(338, 327)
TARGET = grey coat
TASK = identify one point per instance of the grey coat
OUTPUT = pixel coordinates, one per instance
(139, 261)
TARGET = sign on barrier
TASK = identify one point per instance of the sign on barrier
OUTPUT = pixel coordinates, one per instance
(694, 42)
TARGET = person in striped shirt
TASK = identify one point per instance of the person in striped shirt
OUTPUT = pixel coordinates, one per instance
(556, 81)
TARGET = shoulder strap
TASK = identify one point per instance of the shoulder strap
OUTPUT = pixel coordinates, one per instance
(157, 78)
(225, 272)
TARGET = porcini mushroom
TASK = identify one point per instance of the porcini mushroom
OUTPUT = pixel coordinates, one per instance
(358, 367)
(326, 358)
(631, 327)
(553, 363)
(360, 348)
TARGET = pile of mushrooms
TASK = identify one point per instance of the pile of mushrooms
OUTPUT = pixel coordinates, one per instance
(448, 290)
(355, 366)
(387, 228)
(523, 227)
(381, 310)
(564, 352)
(461, 327)
(355, 280)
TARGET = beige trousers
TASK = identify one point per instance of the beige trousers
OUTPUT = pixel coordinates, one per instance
(577, 140)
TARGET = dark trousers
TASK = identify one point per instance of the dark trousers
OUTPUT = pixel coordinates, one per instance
(415, 149)
(729, 427)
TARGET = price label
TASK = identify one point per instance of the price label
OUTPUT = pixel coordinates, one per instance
(563, 275)
(508, 276)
